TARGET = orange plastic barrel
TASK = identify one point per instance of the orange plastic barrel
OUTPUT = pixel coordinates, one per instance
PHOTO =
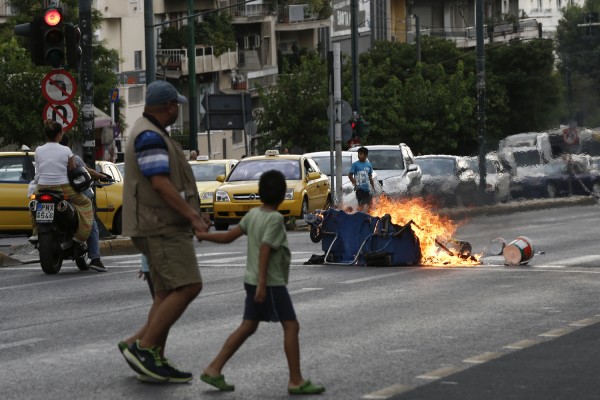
(519, 251)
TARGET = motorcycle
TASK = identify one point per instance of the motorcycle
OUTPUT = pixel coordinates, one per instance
(57, 221)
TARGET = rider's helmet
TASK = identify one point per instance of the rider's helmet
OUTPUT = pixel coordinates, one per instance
(79, 179)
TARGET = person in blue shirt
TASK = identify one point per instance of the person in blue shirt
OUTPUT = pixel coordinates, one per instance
(361, 176)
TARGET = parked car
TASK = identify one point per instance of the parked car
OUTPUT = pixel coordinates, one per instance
(448, 180)
(396, 169)
(17, 170)
(530, 148)
(206, 172)
(323, 159)
(560, 177)
(307, 187)
(497, 177)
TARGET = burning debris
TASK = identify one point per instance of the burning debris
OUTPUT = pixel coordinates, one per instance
(385, 236)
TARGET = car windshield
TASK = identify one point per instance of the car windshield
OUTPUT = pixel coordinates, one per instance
(207, 172)
(325, 164)
(386, 159)
(251, 170)
(527, 157)
(436, 166)
(490, 167)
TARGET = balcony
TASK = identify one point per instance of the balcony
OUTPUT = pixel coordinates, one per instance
(175, 62)
(300, 16)
(258, 8)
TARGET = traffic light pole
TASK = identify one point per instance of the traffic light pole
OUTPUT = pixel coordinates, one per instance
(86, 82)
(337, 100)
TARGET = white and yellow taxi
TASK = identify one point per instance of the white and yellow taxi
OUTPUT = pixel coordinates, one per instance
(307, 187)
(206, 172)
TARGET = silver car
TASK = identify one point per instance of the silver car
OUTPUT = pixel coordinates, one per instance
(397, 171)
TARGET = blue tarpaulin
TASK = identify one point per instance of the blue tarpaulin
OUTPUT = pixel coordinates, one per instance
(361, 239)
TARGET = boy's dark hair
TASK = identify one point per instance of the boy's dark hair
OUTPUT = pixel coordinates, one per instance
(363, 149)
(272, 187)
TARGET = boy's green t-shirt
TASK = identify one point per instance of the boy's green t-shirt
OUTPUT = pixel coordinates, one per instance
(266, 227)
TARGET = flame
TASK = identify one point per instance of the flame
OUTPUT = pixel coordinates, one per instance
(429, 228)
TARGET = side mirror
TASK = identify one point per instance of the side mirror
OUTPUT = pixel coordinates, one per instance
(313, 175)
(412, 167)
(221, 178)
(25, 148)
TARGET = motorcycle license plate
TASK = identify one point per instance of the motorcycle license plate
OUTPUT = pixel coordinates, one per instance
(44, 212)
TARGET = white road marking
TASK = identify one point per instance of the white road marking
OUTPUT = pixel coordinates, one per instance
(387, 392)
(574, 261)
(304, 290)
(483, 357)
(20, 343)
(439, 373)
(370, 278)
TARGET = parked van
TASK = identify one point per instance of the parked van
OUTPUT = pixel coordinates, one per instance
(530, 148)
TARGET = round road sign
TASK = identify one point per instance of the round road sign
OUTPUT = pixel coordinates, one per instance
(64, 114)
(59, 87)
(570, 136)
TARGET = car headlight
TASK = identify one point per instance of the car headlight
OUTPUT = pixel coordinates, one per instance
(222, 195)
(206, 196)
(289, 194)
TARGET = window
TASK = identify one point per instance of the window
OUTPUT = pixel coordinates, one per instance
(137, 60)
(12, 170)
(135, 95)
(237, 137)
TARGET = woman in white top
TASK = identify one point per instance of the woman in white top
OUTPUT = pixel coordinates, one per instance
(52, 161)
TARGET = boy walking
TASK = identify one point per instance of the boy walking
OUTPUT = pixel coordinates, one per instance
(265, 280)
(361, 175)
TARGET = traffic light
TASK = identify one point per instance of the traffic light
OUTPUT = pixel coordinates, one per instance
(53, 34)
(33, 30)
(73, 45)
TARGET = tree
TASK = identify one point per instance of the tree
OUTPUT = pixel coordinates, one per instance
(578, 50)
(526, 71)
(295, 111)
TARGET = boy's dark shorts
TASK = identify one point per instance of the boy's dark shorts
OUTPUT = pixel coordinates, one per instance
(363, 196)
(277, 306)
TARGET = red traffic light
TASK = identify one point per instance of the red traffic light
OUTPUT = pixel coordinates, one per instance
(52, 17)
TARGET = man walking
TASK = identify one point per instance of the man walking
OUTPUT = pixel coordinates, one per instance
(161, 215)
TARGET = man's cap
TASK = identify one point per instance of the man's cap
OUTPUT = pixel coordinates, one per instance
(162, 92)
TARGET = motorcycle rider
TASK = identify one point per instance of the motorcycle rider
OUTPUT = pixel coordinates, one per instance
(93, 241)
(53, 161)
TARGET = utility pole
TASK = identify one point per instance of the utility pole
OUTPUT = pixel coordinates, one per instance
(192, 97)
(337, 101)
(149, 40)
(86, 77)
(354, 42)
(480, 69)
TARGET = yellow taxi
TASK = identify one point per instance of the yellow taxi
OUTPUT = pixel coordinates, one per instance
(206, 172)
(307, 187)
(17, 169)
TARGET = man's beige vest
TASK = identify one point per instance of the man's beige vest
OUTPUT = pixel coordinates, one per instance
(144, 212)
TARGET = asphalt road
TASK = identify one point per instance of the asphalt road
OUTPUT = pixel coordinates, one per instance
(485, 332)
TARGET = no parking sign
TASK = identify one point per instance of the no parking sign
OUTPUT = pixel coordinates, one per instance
(570, 135)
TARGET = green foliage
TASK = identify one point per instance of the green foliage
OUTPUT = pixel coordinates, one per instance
(431, 106)
(578, 50)
(295, 111)
(216, 30)
(526, 71)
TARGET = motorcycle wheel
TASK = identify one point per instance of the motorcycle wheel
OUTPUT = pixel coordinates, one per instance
(50, 254)
(82, 263)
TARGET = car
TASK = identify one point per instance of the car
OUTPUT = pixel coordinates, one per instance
(109, 198)
(308, 188)
(497, 177)
(121, 167)
(323, 159)
(563, 176)
(448, 180)
(17, 169)
(397, 172)
(206, 172)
